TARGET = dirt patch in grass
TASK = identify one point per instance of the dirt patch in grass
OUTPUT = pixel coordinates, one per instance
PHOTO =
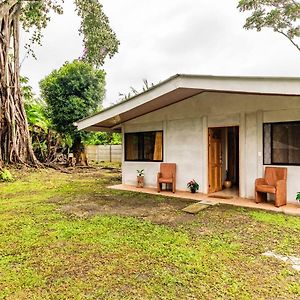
(154, 209)
(98, 200)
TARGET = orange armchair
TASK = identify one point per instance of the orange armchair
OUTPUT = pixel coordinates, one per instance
(274, 182)
(167, 175)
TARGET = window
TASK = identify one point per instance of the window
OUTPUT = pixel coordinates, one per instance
(144, 146)
(282, 143)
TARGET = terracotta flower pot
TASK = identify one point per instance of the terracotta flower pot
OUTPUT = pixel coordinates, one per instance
(140, 181)
(227, 184)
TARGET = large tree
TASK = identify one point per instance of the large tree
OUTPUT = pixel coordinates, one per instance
(73, 92)
(280, 15)
(33, 15)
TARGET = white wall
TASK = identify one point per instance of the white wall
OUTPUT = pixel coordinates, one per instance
(185, 126)
(183, 138)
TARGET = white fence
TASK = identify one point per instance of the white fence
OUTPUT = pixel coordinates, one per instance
(104, 152)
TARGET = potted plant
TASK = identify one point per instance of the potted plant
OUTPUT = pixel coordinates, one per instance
(140, 178)
(298, 197)
(193, 186)
(227, 182)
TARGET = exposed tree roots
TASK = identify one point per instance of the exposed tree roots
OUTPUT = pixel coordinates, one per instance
(15, 142)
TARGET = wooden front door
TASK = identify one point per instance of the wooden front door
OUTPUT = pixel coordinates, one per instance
(214, 160)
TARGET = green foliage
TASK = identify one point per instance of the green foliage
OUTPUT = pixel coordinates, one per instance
(36, 116)
(140, 172)
(35, 16)
(134, 92)
(39, 123)
(280, 15)
(98, 38)
(73, 92)
(35, 108)
(46, 142)
(67, 141)
(5, 175)
(193, 185)
(298, 196)
(27, 91)
(104, 138)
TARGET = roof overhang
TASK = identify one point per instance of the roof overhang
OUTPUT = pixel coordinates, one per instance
(181, 87)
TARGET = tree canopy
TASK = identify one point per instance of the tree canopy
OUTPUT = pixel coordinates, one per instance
(280, 15)
(73, 92)
(99, 40)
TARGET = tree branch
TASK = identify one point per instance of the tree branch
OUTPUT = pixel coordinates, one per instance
(291, 40)
(6, 6)
(295, 3)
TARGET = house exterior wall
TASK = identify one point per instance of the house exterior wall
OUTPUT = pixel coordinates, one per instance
(185, 128)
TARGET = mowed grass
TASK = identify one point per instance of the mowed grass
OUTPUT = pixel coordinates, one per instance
(48, 254)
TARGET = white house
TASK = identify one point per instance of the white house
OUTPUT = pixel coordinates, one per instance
(208, 125)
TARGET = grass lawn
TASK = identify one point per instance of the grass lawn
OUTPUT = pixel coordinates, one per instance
(66, 236)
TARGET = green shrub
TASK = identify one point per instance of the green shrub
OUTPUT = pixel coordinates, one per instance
(5, 175)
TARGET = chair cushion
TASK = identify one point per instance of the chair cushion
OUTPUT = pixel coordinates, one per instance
(266, 188)
(165, 180)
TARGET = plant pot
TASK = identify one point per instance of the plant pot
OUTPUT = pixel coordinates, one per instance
(140, 181)
(227, 184)
(193, 191)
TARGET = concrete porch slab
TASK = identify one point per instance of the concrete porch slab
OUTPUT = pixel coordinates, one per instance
(289, 209)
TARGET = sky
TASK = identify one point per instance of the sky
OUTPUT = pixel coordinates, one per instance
(163, 38)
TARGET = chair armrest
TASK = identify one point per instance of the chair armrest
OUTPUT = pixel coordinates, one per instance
(259, 181)
(281, 184)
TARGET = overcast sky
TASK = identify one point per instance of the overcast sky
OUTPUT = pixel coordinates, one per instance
(161, 38)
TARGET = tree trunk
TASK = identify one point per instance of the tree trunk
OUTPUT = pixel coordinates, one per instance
(15, 142)
(79, 151)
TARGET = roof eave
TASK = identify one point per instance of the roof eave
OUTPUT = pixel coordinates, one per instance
(250, 85)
